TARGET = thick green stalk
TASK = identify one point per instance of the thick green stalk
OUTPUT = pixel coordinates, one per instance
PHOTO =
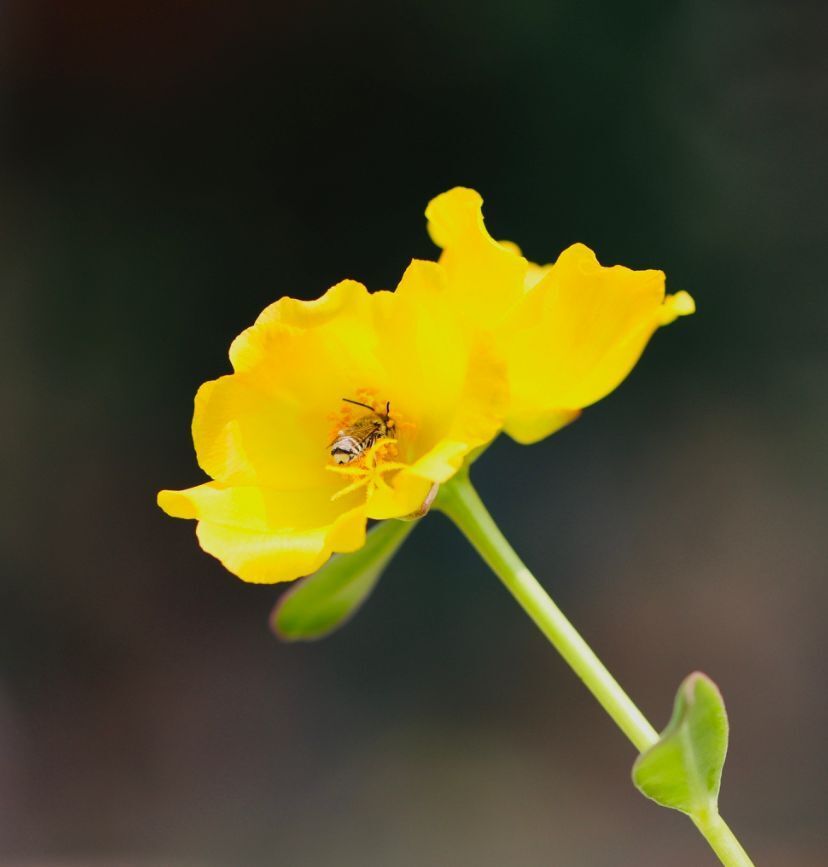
(460, 502)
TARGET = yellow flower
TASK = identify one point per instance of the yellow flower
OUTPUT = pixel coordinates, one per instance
(407, 385)
(278, 505)
(569, 333)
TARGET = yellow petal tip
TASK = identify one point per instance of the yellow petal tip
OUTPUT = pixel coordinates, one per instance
(453, 214)
(176, 504)
(680, 304)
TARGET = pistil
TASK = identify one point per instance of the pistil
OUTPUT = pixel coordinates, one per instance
(368, 470)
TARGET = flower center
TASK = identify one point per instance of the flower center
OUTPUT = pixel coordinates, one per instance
(365, 440)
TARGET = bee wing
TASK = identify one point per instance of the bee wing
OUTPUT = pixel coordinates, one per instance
(342, 432)
(365, 428)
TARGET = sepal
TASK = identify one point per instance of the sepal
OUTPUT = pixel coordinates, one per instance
(321, 603)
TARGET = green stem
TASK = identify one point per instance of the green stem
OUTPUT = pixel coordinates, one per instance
(722, 840)
(460, 502)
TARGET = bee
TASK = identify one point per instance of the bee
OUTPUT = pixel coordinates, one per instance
(354, 439)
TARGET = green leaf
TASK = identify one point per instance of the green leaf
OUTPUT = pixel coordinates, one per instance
(683, 770)
(324, 601)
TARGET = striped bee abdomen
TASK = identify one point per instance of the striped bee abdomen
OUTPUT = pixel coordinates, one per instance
(348, 448)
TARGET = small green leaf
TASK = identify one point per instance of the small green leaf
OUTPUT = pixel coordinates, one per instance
(324, 601)
(683, 770)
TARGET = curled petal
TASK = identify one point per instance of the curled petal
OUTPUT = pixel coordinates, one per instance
(680, 304)
(486, 278)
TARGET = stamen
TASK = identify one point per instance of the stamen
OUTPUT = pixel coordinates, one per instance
(369, 469)
(349, 489)
(346, 470)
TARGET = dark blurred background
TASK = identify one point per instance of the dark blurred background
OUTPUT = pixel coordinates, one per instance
(169, 169)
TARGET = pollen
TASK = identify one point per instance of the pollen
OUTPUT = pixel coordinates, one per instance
(347, 413)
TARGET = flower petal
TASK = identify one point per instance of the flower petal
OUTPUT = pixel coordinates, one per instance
(265, 536)
(244, 433)
(578, 334)
(533, 425)
(346, 306)
(404, 496)
(477, 418)
(486, 278)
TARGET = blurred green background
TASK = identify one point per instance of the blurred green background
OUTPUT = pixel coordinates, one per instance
(169, 169)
